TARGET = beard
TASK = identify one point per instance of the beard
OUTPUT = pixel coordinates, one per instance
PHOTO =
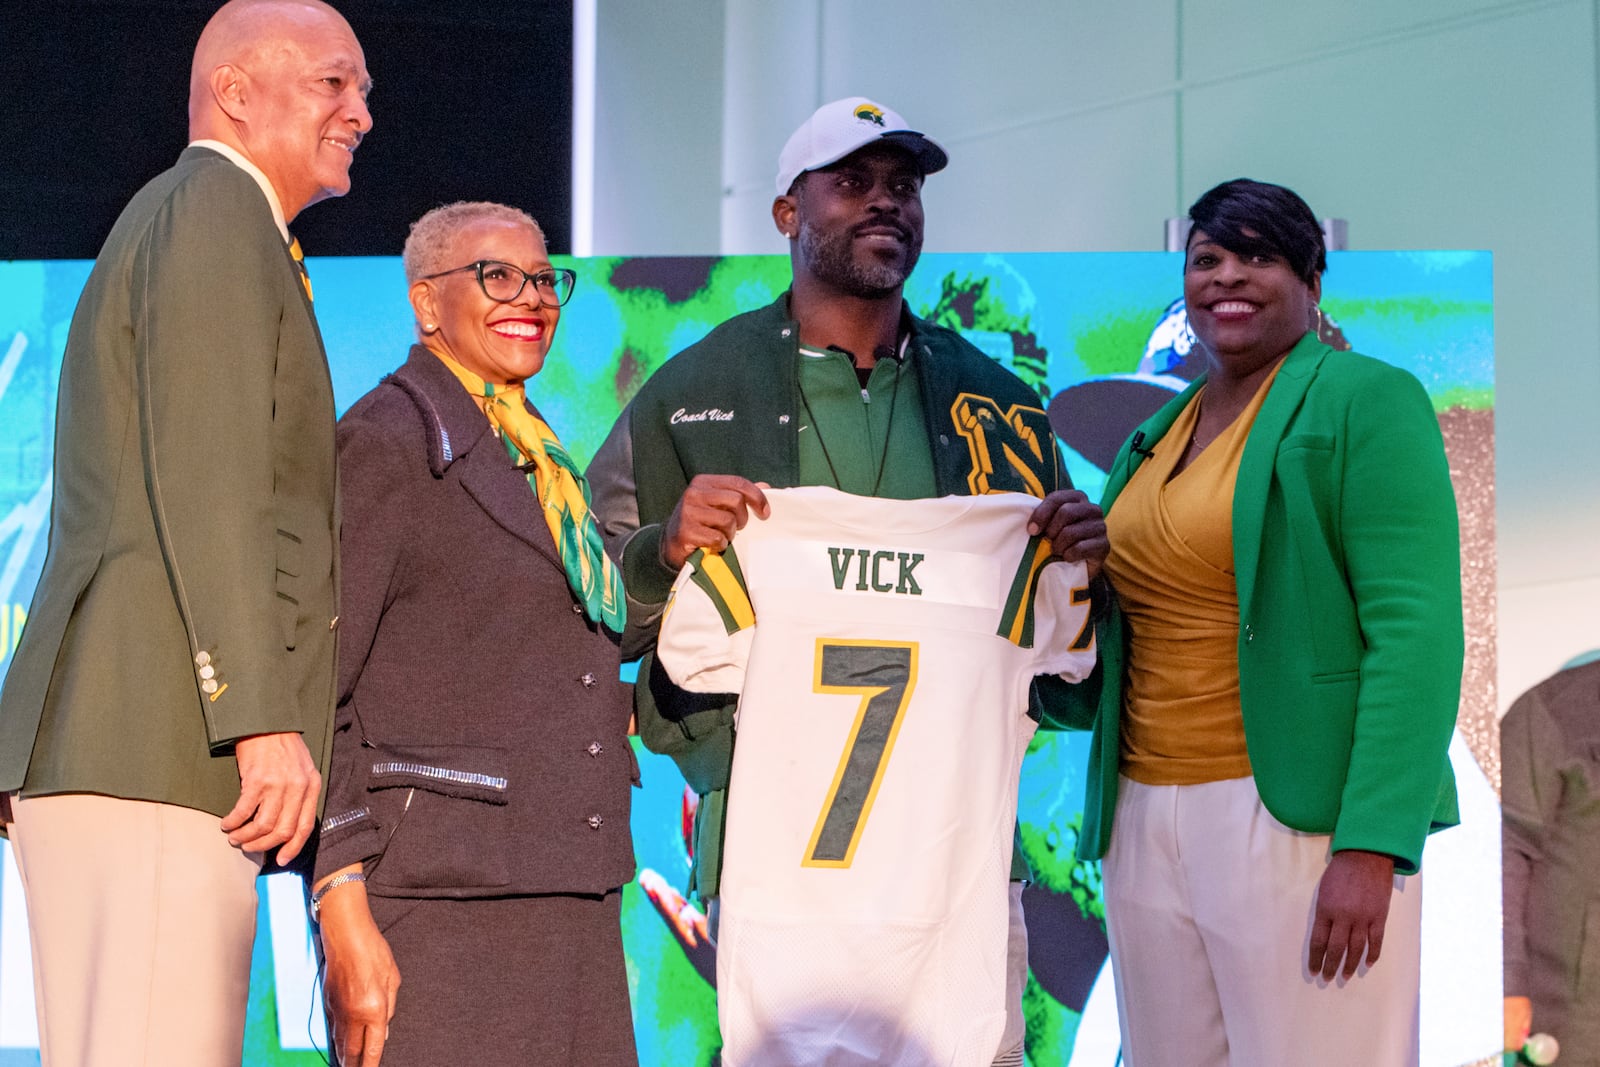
(833, 260)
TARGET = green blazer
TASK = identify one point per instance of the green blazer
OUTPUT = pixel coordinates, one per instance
(1346, 552)
(194, 510)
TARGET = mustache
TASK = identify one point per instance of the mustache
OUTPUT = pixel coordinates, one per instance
(883, 223)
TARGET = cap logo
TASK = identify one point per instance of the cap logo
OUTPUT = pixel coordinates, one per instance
(870, 113)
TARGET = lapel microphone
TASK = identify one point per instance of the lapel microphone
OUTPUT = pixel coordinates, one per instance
(1138, 446)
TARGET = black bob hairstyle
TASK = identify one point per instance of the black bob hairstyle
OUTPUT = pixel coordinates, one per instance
(1250, 218)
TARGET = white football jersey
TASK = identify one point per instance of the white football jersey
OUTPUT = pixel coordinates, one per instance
(883, 650)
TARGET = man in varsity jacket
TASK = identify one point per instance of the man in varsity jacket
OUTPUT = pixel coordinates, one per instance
(838, 384)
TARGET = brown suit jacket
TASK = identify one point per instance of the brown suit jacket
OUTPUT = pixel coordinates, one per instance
(480, 743)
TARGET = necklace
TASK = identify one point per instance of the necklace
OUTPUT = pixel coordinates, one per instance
(1196, 444)
(888, 430)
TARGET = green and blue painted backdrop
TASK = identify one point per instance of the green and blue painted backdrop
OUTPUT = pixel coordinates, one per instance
(1086, 330)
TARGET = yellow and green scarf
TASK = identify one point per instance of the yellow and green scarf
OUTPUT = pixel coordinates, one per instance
(562, 492)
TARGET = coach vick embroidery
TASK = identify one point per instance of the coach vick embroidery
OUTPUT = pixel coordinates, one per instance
(708, 415)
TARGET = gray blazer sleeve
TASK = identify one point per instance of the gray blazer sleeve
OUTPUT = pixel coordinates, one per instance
(375, 468)
(1530, 760)
(635, 547)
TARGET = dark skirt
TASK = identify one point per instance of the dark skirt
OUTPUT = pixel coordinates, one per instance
(535, 981)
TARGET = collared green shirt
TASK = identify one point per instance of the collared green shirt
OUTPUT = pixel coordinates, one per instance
(870, 441)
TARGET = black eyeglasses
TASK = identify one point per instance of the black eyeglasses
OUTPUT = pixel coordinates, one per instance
(502, 282)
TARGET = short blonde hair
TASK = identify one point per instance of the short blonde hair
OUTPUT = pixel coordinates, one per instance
(430, 237)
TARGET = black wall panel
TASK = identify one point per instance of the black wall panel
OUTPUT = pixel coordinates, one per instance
(472, 100)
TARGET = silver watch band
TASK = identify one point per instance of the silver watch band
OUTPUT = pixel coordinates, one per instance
(333, 883)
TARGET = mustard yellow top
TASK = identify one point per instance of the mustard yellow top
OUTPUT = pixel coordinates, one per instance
(1171, 563)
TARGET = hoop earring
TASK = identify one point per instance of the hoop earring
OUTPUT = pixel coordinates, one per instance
(1318, 321)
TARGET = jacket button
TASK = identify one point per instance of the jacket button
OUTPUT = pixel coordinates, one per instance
(589, 681)
(202, 658)
(595, 822)
(208, 686)
(207, 672)
(595, 748)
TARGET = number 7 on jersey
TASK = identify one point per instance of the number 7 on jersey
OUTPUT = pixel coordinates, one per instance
(884, 674)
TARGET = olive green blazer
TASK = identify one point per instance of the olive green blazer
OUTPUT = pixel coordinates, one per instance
(194, 510)
(1346, 551)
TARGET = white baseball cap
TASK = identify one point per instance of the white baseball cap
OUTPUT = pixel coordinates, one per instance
(835, 130)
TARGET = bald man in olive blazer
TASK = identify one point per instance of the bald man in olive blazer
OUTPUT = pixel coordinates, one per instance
(168, 709)
(193, 510)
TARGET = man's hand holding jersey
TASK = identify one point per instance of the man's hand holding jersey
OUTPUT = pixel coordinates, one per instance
(712, 509)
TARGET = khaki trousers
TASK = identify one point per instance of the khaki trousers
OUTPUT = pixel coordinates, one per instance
(142, 918)
(1209, 902)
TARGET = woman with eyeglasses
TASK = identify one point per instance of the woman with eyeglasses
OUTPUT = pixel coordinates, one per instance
(469, 870)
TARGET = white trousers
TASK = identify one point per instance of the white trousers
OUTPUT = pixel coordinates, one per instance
(142, 918)
(1209, 903)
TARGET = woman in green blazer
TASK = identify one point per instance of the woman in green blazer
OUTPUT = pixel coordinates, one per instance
(1279, 677)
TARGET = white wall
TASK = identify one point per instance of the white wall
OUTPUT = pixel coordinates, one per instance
(657, 127)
